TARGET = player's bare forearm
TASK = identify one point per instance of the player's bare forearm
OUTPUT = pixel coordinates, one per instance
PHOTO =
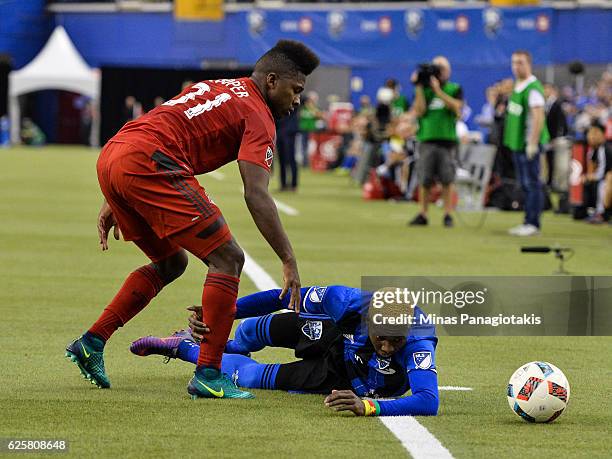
(263, 210)
(264, 213)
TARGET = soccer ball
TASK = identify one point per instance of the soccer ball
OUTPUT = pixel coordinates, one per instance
(538, 392)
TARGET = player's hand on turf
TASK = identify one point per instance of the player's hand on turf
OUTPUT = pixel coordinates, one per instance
(198, 328)
(106, 221)
(291, 281)
(345, 400)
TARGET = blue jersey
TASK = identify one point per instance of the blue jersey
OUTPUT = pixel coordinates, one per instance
(370, 375)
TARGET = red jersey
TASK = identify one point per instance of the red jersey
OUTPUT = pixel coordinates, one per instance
(208, 125)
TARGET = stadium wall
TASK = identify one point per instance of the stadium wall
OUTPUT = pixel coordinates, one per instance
(24, 29)
(355, 38)
(374, 43)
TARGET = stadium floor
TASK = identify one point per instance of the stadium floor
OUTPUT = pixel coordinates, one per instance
(55, 281)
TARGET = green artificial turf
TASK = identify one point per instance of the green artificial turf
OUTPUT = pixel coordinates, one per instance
(55, 282)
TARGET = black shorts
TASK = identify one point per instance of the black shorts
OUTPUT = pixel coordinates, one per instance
(320, 346)
(436, 161)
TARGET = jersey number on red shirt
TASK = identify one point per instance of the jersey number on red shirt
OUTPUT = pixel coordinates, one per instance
(208, 105)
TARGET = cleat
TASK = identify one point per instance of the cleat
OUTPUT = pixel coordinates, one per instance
(89, 361)
(167, 347)
(419, 220)
(211, 383)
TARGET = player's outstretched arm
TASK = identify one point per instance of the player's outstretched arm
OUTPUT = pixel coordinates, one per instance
(106, 221)
(264, 213)
(424, 400)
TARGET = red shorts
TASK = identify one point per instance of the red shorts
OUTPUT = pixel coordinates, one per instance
(158, 204)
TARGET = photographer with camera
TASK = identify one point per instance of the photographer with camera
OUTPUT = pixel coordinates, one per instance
(437, 105)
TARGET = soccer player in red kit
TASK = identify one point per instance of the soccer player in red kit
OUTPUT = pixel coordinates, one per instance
(146, 173)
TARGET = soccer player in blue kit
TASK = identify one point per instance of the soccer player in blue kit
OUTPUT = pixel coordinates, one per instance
(340, 354)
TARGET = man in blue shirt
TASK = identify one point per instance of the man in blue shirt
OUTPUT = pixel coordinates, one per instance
(340, 354)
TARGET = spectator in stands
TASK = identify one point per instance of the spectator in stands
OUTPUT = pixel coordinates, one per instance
(286, 132)
(486, 117)
(31, 134)
(525, 133)
(598, 178)
(437, 107)
(132, 109)
(365, 107)
(357, 145)
(390, 103)
(85, 106)
(558, 152)
(398, 153)
(592, 103)
(159, 100)
(309, 118)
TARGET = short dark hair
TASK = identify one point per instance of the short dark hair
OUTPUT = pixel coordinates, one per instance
(524, 52)
(288, 57)
(595, 124)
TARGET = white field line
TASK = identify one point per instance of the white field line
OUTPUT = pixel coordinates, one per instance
(216, 175)
(286, 208)
(258, 275)
(417, 440)
(420, 442)
(459, 388)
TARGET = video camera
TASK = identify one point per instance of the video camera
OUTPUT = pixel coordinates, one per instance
(425, 72)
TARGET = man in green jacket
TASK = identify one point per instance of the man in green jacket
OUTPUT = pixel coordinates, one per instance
(437, 107)
(524, 134)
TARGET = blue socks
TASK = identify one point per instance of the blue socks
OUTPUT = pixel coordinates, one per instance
(252, 335)
(245, 371)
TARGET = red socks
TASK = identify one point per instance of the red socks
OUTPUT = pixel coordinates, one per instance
(137, 291)
(218, 310)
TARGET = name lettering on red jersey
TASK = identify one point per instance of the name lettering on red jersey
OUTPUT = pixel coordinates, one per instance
(208, 125)
(236, 86)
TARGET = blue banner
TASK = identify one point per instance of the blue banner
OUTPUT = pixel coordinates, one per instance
(363, 38)
(355, 38)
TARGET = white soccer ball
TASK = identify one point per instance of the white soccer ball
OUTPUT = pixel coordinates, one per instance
(538, 392)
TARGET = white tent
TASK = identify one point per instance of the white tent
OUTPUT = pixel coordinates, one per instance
(58, 66)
